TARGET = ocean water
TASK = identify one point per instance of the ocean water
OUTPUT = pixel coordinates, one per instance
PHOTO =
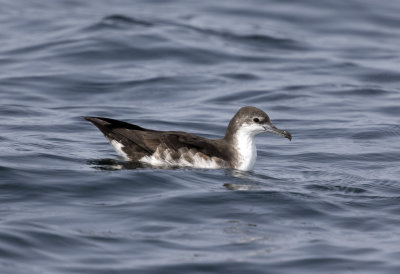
(327, 71)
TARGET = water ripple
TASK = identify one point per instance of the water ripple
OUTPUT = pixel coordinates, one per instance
(326, 202)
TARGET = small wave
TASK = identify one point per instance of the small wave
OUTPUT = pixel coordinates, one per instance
(381, 77)
(336, 188)
(361, 92)
(387, 131)
(251, 39)
(241, 76)
(392, 110)
(254, 96)
(119, 21)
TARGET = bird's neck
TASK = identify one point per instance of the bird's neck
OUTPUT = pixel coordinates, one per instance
(245, 148)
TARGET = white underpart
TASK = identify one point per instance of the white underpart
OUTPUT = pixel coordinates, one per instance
(118, 148)
(246, 147)
(162, 158)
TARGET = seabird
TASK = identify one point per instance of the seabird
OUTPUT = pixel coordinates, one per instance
(235, 150)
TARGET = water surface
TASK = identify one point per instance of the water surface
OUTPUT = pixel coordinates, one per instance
(327, 71)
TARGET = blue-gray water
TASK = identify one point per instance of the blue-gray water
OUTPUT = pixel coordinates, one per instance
(327, 71)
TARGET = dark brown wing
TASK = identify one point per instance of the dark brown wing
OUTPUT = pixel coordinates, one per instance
(212, 148)
(139, 142)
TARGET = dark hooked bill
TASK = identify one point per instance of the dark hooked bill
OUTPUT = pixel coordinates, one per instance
(273, 129)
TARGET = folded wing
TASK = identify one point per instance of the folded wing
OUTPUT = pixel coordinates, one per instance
(138, 142)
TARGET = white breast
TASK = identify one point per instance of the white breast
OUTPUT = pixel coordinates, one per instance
(246, 149)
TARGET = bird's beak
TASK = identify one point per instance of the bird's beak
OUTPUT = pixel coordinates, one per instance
(268, 127)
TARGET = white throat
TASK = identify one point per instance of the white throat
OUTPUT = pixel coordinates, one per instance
(246, 149)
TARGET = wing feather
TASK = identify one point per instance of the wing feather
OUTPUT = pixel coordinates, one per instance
(139, 142)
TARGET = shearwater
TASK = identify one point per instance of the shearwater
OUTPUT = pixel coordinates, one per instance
(235, 150)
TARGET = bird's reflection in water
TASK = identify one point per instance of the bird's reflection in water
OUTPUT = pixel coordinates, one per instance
(113, 164)
(241, 187)
(247, 180)
(244, 176)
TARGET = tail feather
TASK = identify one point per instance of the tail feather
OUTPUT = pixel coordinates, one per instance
(111, 123)
(123, 136)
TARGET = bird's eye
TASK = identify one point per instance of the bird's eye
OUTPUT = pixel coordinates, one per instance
(256, 120)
